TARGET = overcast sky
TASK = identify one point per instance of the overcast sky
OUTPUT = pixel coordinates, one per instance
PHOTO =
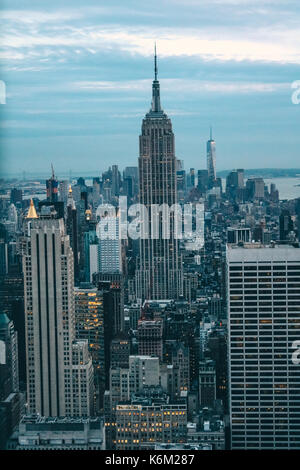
(78, 80)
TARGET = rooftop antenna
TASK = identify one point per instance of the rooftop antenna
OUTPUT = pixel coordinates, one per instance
(155, 63)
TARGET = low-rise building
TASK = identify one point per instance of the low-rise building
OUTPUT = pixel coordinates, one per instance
(149, 418)
(40, 433)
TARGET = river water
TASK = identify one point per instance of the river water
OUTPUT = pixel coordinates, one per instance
(287, 187)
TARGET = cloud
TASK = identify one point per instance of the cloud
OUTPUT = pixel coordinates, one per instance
(36, 17)
(76, 78)
(184, 85)
(40, 34)
(11, 55)
(267, 44)
(247, 3)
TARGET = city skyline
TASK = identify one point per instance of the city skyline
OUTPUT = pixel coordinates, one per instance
(77, 81)
(150, 248)
(156, 368)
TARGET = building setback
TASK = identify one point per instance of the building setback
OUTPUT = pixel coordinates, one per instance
(159, 275)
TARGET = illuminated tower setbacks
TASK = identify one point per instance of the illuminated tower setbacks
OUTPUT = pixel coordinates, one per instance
(159, 274)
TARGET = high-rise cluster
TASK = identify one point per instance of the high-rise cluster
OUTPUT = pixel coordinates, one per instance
(151, 341)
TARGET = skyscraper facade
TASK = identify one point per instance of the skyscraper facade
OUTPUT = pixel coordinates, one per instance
(9, 339)
(263, 285)
(211, 159)
(159, 275)
(52, 188)
(52, 378)
(89, 325)
(110, 245)
(72, 230)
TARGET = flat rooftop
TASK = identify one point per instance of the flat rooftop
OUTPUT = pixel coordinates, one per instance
(256, 252)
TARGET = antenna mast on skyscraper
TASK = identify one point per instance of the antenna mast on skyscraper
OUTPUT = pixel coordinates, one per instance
(155, 63)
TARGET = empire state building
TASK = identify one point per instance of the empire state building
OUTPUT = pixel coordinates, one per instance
(159, 272)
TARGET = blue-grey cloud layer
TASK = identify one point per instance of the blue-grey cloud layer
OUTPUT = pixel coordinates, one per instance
(78, 77)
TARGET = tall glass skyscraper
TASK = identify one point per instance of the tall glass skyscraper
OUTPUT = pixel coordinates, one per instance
(211, 159)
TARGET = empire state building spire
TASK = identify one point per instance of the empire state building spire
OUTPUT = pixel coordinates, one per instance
(159, 273)
(156, 107)
(155, 63)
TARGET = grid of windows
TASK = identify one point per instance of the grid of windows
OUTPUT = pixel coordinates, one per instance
(264, 321)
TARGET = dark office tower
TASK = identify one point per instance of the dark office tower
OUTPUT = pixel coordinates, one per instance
(202, 181)
(159, 275)
(211, 160)
(191, 179)
(297, 211)
(150, 338)
(207, 383)
(84, 199)
(89, 325)
(232, 184)
(218, 184)
(115, 180)
(83, 226)
(286, 225)
(11, 400)
(81, 181)
(71, 226)
(52, 188)
(235, 185)
(217, 345)
(263, 328)
(9, 338)
(178, 355)
(12, 303)
(112, 286)
(132, 172)
(274, 193)
(257, 233)
(120, 351)
(3, 251)
(16, 195)
(128, 187)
